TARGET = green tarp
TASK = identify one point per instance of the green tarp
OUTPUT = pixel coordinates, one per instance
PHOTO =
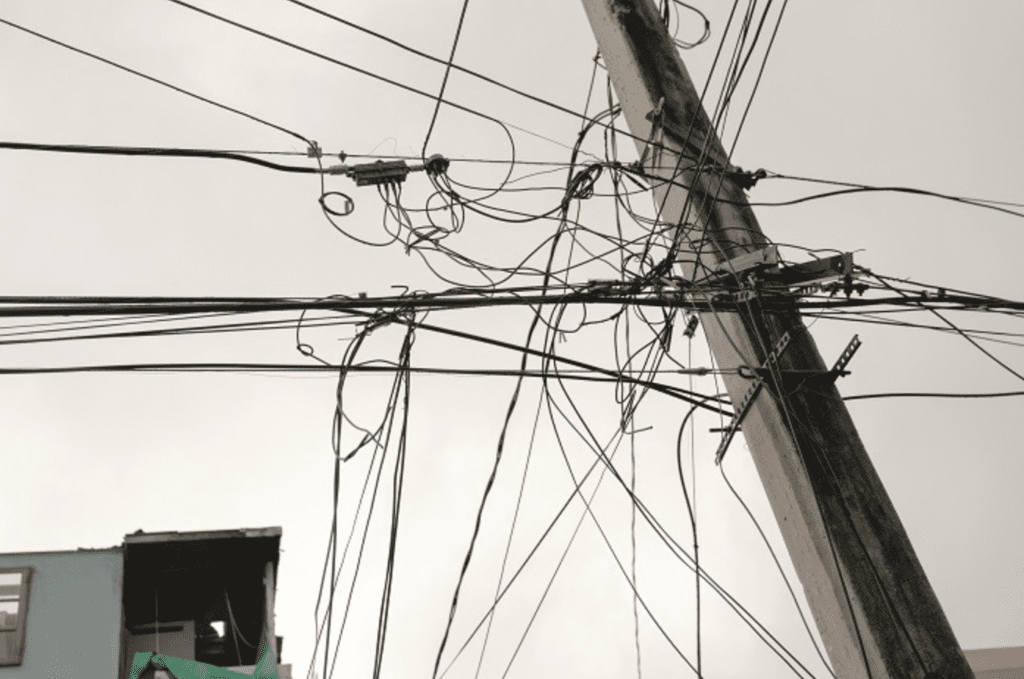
(179, 668)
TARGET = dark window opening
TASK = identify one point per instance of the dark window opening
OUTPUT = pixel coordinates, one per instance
(15, 586)
(199, 596)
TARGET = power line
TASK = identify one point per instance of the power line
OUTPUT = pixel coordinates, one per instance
(760, 73)
(931, 394)
(430, 57)
(158, 81)
(444, 81)
(156, 152)
(357, 69)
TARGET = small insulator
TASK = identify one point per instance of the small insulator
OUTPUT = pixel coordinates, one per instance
(691, 326)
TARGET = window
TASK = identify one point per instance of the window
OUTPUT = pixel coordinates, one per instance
(14, 591)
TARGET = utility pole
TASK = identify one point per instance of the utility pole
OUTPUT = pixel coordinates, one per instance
(876, 611)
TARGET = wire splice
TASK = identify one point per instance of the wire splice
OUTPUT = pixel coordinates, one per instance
(388, 171)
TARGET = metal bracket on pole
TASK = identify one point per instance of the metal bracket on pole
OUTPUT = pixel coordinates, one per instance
(748, 399)
(838, 370)
(765, 257)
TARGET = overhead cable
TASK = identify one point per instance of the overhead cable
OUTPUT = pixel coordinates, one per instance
(159, 82)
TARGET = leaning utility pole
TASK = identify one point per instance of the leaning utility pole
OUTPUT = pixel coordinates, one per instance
(871, 600)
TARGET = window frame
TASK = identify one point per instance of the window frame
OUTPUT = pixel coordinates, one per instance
(12, 641)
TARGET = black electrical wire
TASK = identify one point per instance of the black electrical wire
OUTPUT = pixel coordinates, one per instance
(156, 151)
(680, 43)
(760, 73)
(693, 526)
(932, 394)
(974, 202)
(853, 189)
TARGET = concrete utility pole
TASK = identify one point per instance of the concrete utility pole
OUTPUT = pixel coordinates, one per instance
(871, 600)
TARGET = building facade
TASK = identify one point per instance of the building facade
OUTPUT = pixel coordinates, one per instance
(201, 596)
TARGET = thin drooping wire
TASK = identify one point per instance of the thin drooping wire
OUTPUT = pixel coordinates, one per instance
(548, 586)
(327, 562)
(718, 589)
(782, 572)
(526, 560)
(591, 441)
(679, 552)
(693, 526)
(511, 533)
(362, 548)
(931, 394)
(675, 549)
(606, 460)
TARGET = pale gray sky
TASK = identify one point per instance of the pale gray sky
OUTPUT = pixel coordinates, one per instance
(917, 94)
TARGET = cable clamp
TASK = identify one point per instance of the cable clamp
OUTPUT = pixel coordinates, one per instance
(746, 180)
(314, 150)
(436, 165)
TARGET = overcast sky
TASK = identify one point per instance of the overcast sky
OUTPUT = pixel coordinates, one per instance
(912, 94)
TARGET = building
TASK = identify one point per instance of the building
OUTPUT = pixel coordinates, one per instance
(202, 596)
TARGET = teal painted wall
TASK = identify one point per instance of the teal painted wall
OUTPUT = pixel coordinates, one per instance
(74, 615)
